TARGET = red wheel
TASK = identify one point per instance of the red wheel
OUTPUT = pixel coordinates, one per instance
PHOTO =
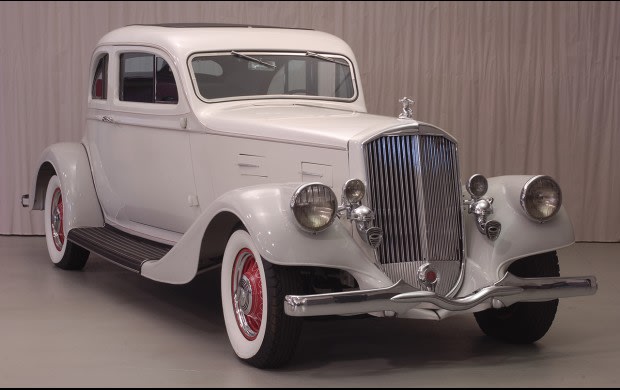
(63, 253)
(253, 292)
(247, 294)
(56, 220)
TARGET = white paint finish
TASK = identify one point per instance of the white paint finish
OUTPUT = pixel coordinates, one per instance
(294, 123)
(250, 165)
(192, 201)
(311, 172)
(486, 260)
(179, 44)
(230, 146)
(265, 211)
(142, 160)
(150, 173)
(70, 162)
(216, 161)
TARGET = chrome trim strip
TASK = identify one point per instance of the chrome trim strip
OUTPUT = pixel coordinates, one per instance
(402, 297)
(421, 128)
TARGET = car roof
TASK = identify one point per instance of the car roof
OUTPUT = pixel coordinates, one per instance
(200, 25)
(182, 39)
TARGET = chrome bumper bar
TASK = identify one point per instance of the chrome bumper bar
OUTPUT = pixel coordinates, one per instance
(401, 297)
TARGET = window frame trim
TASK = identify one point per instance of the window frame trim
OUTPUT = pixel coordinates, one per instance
(254, 52)
(106, 57)
(155, 56)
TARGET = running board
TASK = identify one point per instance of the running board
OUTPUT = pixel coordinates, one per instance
(118, 247)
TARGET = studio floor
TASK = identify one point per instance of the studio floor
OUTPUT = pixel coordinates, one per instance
(107, 327)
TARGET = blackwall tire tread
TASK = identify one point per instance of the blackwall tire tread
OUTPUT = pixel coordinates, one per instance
(74, 259)
(523, 322)
(282, 332)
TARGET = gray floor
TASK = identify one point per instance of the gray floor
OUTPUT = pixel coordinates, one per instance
(108, 327)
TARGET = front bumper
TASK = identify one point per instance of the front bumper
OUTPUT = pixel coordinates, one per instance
(402, 297)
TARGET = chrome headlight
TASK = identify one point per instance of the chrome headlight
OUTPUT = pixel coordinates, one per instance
(541, 198)
(353, 191)
(477, 185)
(314, 206)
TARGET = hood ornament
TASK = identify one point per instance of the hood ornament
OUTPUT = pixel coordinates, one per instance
(407, 112)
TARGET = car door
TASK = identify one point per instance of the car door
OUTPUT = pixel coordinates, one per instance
(141, 152)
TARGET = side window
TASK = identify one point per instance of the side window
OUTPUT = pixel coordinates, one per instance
(146, 78)
(100, 81)
(137, 83)
(165, 86)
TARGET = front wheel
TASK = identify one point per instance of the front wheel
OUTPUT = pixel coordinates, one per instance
(523, 322)
(253, 292)
(64, 254)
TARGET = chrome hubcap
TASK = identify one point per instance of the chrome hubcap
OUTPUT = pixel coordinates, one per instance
(247, 294)
(244, 295)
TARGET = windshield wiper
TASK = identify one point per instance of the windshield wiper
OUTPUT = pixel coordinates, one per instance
(257, 60)
(322, 57)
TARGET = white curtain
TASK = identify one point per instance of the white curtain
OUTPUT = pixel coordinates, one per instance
(526, 87)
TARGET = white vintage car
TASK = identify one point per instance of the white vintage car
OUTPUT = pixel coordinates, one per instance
(248, 151)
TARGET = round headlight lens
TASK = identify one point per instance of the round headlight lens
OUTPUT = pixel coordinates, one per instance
(314, 206)
(541, 198)
(354, 191)
(477, 185)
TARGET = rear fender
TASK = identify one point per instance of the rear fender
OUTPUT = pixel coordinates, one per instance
(70, 163)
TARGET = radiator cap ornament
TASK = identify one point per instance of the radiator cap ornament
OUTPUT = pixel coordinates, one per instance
(407, 112)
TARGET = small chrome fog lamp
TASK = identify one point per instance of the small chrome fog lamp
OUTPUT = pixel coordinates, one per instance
(477, 185)
(482, 207)
(353, 191)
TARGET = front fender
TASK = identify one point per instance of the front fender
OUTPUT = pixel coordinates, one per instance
(487, 261)
(265, 212)
(70, 163)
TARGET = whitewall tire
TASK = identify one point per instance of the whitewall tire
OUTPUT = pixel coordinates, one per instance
(63, 253)
(253, 292)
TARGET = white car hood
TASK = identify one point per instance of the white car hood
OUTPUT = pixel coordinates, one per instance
(299, 124)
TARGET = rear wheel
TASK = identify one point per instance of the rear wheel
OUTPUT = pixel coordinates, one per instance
(523, 322)
(64, 254)
(253, 292)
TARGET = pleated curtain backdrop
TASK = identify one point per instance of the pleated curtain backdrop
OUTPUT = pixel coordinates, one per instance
(526, 87)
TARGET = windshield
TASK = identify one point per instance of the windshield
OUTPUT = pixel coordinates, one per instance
(235, 74)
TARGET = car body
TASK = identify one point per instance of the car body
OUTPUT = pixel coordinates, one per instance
(249, 150)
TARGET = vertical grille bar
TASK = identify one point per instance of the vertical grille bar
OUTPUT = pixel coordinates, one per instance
(414, 190)
(442, 198)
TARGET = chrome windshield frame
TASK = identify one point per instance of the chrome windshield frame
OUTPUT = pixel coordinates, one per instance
(254, 53)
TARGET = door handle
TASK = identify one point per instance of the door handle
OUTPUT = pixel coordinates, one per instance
(107, 119)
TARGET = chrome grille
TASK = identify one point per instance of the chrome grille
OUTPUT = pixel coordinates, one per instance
(414, 190)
